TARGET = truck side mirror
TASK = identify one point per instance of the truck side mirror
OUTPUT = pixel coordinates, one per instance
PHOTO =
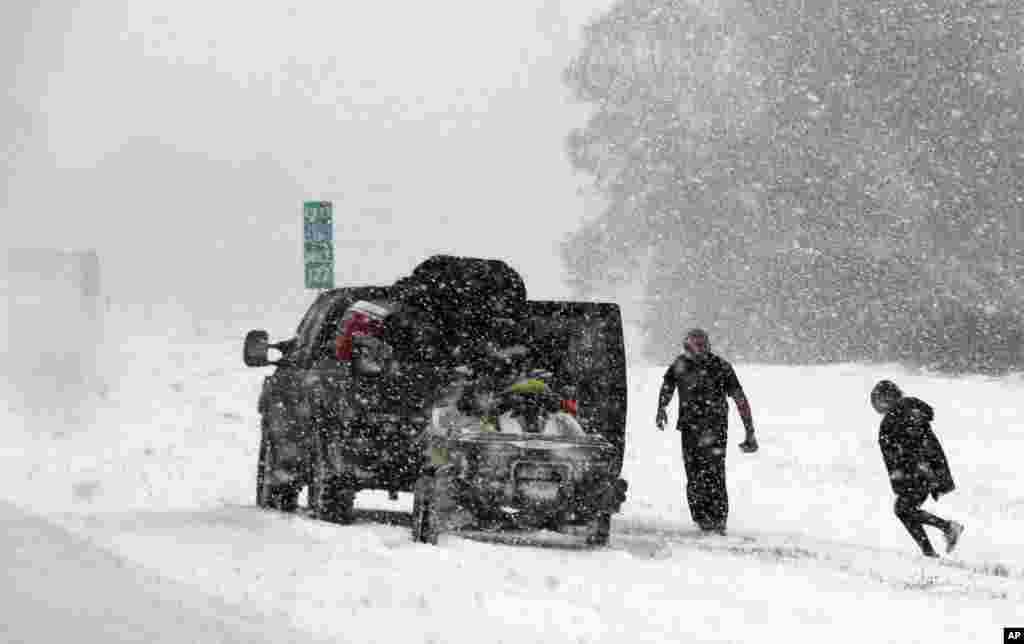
(256, 349)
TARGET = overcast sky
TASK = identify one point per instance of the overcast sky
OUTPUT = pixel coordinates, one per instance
(179, 139)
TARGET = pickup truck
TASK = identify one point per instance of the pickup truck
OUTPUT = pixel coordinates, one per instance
(350, 397)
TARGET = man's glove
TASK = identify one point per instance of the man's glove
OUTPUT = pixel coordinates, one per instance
(749, 446)
(661, 418)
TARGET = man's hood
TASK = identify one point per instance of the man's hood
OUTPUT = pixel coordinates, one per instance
(912, 410)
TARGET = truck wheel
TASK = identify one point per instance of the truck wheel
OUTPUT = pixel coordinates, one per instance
(270, 493)
(261, 500)
(600, 529)
(316, 473)
(336, 503)
(330, 499)
(312, 495)
(425, 524)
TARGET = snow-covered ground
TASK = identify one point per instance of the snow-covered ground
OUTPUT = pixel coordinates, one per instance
(144, 523)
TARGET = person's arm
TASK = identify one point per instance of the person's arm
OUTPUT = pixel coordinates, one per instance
(933, 464)
(743, 407)
(921, 443)
(749, 443)
(668, 389)
(735, 391)
(889, 455)
(890, 441)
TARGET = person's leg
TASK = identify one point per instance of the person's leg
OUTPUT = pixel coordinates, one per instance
(693, 492)
(714, 492)
(705, 485)
(951, 530)
(952, 535)
(927, 518)
(908, 511)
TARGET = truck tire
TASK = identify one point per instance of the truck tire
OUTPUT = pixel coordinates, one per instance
(600, 529)
(425, 523)
(270, 493)
(333, 500)
(336, 503)
(261, 500)
(315, 474)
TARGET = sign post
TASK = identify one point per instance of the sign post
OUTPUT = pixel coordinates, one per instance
(318, 243)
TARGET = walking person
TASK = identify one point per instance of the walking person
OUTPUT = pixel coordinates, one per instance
(703, 380)
(916, 464)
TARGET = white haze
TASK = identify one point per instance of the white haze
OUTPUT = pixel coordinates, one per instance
(179, 140)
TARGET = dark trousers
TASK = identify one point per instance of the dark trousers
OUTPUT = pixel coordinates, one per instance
(908, 511)
(706, 493)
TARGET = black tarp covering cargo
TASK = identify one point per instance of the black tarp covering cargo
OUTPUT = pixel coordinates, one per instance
(468, 301)
(467, 288)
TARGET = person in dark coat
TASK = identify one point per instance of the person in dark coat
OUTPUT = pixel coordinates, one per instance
(916, 464)
(703, 380)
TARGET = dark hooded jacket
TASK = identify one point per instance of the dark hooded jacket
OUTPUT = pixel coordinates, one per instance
(912, 453)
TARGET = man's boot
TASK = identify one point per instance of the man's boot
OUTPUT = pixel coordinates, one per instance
(952, 535)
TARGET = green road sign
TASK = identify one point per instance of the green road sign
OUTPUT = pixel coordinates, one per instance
(318, 243)
(319, 276)
(319, 252)
(317, 212)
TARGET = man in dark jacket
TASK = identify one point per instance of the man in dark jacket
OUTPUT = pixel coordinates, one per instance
(916, 463)
(703, 380)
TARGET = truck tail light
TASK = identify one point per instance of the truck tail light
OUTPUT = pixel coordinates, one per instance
(343, 347)
(363, 319)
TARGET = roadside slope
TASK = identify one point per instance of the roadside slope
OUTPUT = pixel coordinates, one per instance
(61, 587)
